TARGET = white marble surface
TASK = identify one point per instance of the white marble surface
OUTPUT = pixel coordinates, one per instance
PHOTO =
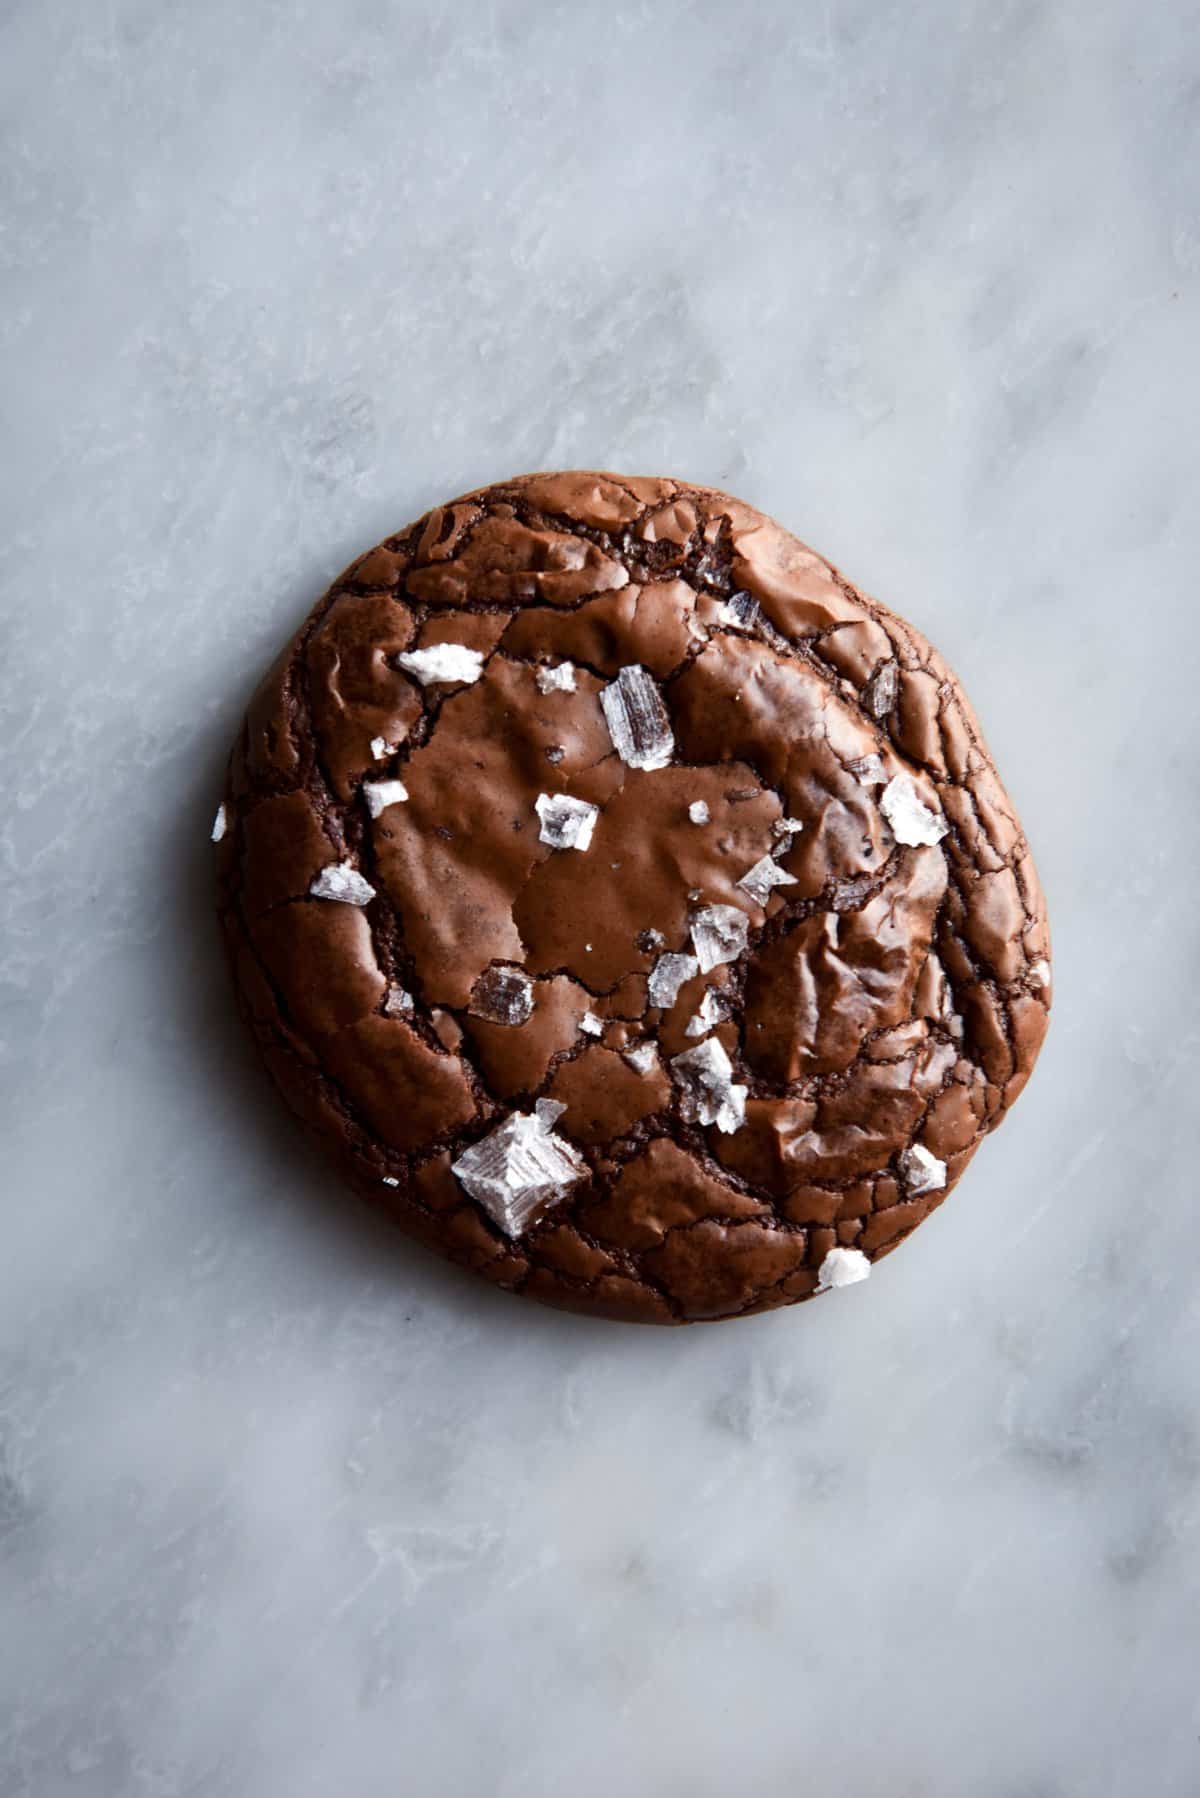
(286, 1509)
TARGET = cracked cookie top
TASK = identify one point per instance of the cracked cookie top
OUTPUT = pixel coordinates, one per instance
(629, 903)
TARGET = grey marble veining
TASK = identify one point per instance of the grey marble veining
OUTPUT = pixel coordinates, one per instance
(287, 1509)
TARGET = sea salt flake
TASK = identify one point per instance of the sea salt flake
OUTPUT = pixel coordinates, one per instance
(637, 719)
(714, 1009)
(710, 1095)
(591, 1025)
(784, 829)
(719, 934)
(868, 771)
(707, 570)
(390, 1180)
(379, 794)
(765, 874)
(642, 1058)
(650, 940)
(879, 694)
(921, 1171)
(742, 611)
(521, 1169)
(342, 881)
(842, 1267)
(1039, 973)
(698, 812)
(502, 996)
(380, 747)
(398, 1003)
(911, 820)
(565, 823)
(449, 662)
(556, 680)
(668, 974)
(220, 823)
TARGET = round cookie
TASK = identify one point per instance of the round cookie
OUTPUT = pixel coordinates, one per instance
(628, 903)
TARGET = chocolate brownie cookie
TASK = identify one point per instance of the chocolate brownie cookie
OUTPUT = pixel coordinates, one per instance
(629, 903)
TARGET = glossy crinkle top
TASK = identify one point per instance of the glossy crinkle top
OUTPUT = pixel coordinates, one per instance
(630, 904)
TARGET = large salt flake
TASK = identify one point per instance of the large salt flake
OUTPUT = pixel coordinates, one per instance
(921, 1171)
(765, 874)
(449, 662)
(911, 820)
(342, 881)
(842, 1267)
(710, 1095)
(379, 794)
(564, 822)
(521, 1169)
(556, 680)
(868, 771)
(669, 973)
(879, 694)
(637, 719)
(714, 1009)
(742, 611)
(502, 996)
(719, 934)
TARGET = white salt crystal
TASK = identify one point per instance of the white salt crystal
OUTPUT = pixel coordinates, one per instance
(637, 719)
(765, 874)
(911, 820)
(714, 1008)
(921, 1171)
(591, 1025)
(398, 1003)
(556, 680)
(442, 662)
(668, 974)
(879, 694)
(642, 1058)
(379, 794)
(719, 934)
(521, 1169)
(742, 611)
(565, 823)
(710, 1094)
(868, 771)
(220, 823)
(698, 812)
(502, 996)
(842, 1267)
(342, 881)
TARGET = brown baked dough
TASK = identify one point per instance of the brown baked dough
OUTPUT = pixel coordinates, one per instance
(885, 983)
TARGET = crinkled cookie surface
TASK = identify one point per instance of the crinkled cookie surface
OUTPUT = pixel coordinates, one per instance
(630, 904)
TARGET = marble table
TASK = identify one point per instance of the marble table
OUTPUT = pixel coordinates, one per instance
(286, 1508)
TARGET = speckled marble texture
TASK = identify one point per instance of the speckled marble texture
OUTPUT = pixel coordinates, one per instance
(287, 1508)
